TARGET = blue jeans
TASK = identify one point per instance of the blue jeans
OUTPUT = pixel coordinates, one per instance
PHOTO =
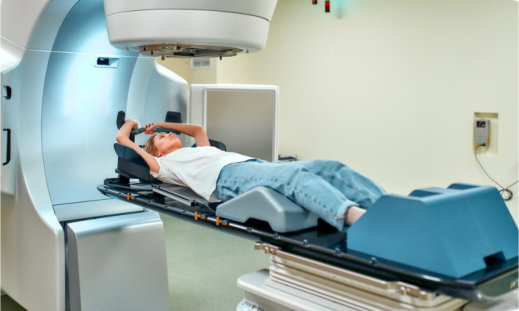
(325, 188)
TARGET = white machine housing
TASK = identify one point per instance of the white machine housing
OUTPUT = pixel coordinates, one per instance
(66, 246)
(189, 27)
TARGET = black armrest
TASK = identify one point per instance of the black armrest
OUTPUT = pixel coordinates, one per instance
(131, 165)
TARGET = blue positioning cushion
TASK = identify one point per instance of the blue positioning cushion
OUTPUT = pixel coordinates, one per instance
(453, 232)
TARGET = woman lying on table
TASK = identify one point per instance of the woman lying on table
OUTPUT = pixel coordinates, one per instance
(329, 189)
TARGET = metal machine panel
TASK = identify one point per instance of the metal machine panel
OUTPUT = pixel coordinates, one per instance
(80, 102)
(82, 94)
(245, 117)
(154, 89)
(90, 209)
(118, 263)
(32, 238)
(86, 84)
(84, 31)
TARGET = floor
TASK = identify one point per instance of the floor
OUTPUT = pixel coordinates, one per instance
(7, 304)
(203, 265)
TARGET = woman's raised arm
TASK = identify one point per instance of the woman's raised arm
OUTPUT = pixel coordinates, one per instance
(123, 137)
(192, 130)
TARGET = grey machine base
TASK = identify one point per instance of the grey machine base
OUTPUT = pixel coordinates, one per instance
(296, 283)
(117, 263)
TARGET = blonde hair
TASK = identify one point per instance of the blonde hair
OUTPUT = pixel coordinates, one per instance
(150, 146)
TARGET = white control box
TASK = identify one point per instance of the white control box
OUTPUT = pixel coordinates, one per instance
(482, 132)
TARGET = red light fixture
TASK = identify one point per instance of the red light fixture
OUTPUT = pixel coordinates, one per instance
(314, 2)
(327, 6)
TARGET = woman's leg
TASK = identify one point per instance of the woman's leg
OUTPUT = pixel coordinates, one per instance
(353, 185)
(290, 179)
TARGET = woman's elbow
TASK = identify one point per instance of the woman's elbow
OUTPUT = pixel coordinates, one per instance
(155, 168)
(120, 138)
(200, 130)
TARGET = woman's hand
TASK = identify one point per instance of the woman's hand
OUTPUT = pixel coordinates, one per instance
(150, 128)
(123, 138)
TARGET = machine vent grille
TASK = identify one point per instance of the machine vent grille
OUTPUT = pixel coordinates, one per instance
(201, 62)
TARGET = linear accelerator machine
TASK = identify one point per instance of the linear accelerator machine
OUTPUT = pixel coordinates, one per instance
(65, 245)
(71, 243)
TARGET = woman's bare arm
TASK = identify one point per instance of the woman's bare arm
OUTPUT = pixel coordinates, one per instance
(123, 137)
(192, 130)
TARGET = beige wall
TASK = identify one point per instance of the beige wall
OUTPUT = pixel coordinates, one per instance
(181, 66)
(391, 87)
(205, 75)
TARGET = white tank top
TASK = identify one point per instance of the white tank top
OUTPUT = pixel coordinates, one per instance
(197, 168)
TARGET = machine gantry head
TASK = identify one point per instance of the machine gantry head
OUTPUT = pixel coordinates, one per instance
(205, 28)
